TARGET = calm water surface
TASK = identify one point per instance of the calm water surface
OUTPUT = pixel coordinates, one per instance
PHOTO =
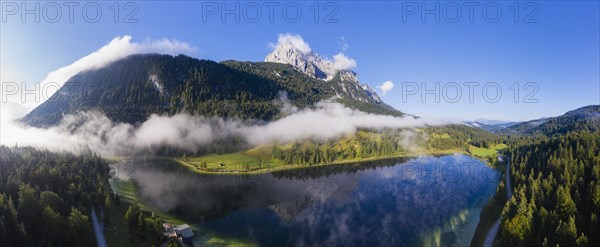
(425, 201)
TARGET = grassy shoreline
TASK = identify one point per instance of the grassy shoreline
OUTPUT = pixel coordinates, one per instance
(491, 211)
(283, 167)
(259, 160)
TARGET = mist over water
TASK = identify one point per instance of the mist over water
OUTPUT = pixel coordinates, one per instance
(397, 202)
(327, 121)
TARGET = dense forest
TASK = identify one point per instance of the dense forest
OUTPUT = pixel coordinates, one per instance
(460, 137)
(556, 199)
(46, 197)
(368, 143)
(582, 119)
(363, 144)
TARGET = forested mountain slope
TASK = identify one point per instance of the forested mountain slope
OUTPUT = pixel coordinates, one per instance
(584, 118)
(557, 193)
(46, 197)
(131, 89)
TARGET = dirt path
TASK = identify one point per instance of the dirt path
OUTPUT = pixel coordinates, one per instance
(491, 235)
(98, 227)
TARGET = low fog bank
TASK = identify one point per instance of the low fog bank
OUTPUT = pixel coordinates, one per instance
(326, 121)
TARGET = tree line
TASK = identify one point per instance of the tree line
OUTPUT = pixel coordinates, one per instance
(46, 197)
(367, 143)
(556, 199)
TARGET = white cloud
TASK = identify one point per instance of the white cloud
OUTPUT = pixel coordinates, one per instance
(116, 49)
(342, 62)
(325, 121)
(295, 40)
(330, 66)
(343, 44)
(386, 87)
(328, 121)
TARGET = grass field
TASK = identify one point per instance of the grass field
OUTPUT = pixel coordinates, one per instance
(232, 162)
(128, 192)
(258, 160)
(261, 159)
(117, 234)
(212, 240)
(487, 152)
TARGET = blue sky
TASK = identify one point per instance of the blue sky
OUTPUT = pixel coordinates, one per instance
(559, 52)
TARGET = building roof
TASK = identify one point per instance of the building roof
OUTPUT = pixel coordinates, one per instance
(184, 231)
(181, 227)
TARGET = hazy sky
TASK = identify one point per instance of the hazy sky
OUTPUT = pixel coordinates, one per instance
(553, 44)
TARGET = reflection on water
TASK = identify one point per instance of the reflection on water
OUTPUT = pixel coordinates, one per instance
(432, 201)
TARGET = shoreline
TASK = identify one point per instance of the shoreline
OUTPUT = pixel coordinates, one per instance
(193, 168)
(208, 235)
(170, 218)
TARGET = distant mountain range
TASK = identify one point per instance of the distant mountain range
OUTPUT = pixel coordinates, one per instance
(495, 122)
(584, 118)
(131, 89)
(491, 125)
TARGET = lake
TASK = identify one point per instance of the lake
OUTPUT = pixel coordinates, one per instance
(423, 201)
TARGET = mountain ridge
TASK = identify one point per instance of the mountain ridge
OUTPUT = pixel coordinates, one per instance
(583, 118)
(316, 66)
(131, 89)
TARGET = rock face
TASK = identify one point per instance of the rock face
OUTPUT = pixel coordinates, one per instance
(315, 66)
(371, 92)
(286, 53)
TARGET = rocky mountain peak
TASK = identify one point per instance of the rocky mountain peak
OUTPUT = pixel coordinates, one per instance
(303, 61)
(309, 63)
(312, 64)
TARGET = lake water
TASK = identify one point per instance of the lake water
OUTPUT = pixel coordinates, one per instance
(424, 201)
